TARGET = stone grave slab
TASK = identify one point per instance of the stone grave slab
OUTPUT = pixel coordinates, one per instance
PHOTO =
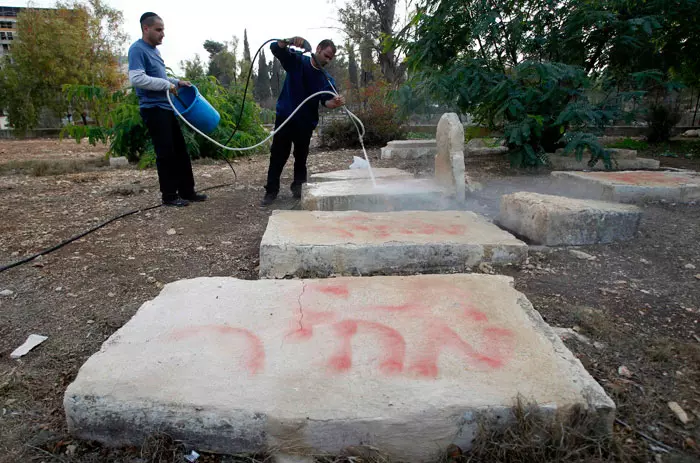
(571, 163)
(623, 159)
(387, 195)
(408, 365)
(320, 243)
(557, 220)
(632, 186)
(360, 174)
(409, 149)
(480, 147)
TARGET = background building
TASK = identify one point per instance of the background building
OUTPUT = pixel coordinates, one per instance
(8, 27)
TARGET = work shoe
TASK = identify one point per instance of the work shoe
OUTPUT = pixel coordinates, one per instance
(296, 191)
(268, 199)
(176, 202)
(195, 197)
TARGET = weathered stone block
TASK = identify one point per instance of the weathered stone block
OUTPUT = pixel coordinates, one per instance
(408, 365)
(557, 220)
(479, 147)
(118, 161)
(409, 149)
(319, 244)
(631, 186)
(362, 195)
(570, 163)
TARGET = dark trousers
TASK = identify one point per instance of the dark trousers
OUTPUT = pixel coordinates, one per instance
(173, 162)
(293, 132)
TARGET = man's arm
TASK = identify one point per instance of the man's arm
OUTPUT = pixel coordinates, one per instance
(288, 60)
(137, 73)
(139, 79)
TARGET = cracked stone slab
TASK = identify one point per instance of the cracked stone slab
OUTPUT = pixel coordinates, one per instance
(558, 220)
(632, 186)
(387, 195)
(322, 243)
(380, 173)
(407, 365)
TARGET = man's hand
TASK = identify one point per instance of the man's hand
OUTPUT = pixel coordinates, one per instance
(184, 83)
(335, 102)
(173, 89)
(296, 41)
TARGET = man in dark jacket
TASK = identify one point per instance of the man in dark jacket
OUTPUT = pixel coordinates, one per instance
(305, 76)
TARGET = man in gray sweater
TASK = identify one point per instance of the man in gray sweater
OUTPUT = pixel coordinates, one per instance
(147, 75)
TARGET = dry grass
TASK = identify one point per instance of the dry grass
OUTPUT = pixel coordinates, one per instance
(42, 168)
(535, 435)
(593, 322)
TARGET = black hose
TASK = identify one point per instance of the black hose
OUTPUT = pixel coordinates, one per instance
(245, 91)
(95, 228)
(240, 113)
(250, 71)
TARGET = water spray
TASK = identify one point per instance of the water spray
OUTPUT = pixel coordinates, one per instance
(307, 49)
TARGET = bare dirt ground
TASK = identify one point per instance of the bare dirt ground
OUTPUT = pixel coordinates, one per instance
(636, 304)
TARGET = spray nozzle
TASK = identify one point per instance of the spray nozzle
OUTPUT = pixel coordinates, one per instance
(306, 46)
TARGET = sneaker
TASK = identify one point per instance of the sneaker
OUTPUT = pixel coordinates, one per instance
(176, 202)
(268, 199)
(195, 197)
(296, 191)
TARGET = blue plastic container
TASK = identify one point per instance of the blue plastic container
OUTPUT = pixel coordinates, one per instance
(196, 109)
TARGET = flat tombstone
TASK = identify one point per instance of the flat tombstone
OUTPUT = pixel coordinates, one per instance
(408, 365)
(388, 195)
(449, 160)
(632, 186)
(360, 174)
(557, 220)
(319, 244)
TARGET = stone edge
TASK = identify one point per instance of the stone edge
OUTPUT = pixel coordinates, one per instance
(598, 401)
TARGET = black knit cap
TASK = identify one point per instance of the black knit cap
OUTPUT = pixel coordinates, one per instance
(145, 16)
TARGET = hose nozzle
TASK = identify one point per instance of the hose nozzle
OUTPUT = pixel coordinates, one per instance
(307, 45)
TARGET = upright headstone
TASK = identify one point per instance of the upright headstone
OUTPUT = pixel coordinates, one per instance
(449, 160)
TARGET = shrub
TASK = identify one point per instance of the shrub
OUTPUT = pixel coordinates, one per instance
(629, 144)
(420, 135)
(120, 124)
(378, 114)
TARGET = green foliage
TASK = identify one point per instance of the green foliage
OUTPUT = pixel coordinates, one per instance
(419, 136)
(474, 131)
(544, 71)
(578, 142)
(629, 144)
(127, 135)
(76, 44)
(378, 114)
(193, 68)
(261, 88)
(222, 61)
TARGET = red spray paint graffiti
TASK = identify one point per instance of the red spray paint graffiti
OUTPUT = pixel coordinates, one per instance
(496, 344)
(255, 351)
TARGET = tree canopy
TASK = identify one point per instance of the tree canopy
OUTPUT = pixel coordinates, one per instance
(75, 43)
(533, 66)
